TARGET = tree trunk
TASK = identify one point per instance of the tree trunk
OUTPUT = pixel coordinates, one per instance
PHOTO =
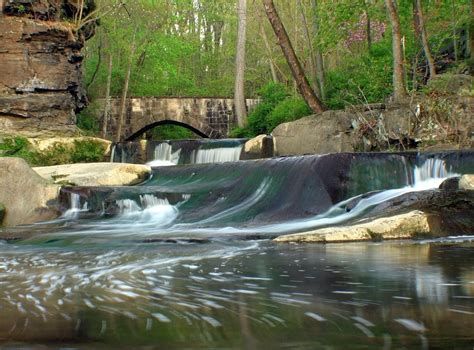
(420, 21)
(312, 58)
(123, 99)
(368, 28)
(471, 32)
(99, 63)
(302, 82)
(106, 118)
(399, 88)
(317, 52)
(239, 94)
(455, 36)
(270, 56)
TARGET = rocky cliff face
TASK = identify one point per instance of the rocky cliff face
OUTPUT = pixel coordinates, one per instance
(40, 70)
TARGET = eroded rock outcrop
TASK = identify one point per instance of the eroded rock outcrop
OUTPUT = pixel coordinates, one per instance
(40, 70)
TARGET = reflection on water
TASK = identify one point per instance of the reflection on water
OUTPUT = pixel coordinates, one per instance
(242, 294)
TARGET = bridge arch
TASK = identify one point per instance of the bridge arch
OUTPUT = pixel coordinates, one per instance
(211, 117)
(165, 122)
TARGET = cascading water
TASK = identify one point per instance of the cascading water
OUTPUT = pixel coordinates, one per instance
(196, 152)
(183, 261)
(174, 152)
(164, 155)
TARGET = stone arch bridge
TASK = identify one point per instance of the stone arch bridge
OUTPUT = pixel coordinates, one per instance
(206, 116)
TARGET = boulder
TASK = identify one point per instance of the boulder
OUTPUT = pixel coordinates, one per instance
(29, 198)
(2, 212)
(466, 182)
(327, 132)
(95, 174)
(403, 226)
(258, 147)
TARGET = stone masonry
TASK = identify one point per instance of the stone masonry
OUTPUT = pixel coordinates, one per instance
(208, 117)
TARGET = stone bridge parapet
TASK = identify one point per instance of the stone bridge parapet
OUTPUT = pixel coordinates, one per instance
(207, 116)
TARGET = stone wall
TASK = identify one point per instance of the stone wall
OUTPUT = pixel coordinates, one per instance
(40, 70)
(211, 117)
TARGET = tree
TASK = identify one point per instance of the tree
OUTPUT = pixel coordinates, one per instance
(471, 32)
(123, 99)
(317, 52)
(105, 120)
(239, 93)
(420, 31)
(399, 87)
(302, 83)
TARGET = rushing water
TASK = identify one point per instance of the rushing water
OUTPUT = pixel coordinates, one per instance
(185, 261)
(173, 152)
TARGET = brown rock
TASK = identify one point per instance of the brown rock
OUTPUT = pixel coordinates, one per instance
(28, 197)
(40, 70)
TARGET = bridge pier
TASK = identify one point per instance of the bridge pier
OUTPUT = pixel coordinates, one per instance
(208, 117)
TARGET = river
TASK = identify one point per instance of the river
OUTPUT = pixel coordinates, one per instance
(186, 261)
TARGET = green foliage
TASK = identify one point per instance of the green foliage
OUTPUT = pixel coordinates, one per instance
(88, 122)
(172, 132)
(18, 147)
(288, 110)
(81, 152)
(450, 84)
(85, 151)
(277, 106)
(239, 132)
(365, 79)
(270, 95)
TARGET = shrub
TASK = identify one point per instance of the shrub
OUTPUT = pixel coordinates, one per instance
(287, 110)
(82, 151)
(87, 119)
(172, 132)
(19, 147)
(257, 122)
(87, 151)
(364, 79)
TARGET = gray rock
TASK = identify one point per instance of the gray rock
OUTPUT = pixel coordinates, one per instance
(403, 226)
(28, 197)
(95, 174)
(258, 147)
(2, 212)
(327, 132)
(466, 182)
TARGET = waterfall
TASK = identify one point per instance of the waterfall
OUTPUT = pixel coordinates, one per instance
(196, 152)
(164, 155)
(432, 168)
(75, 207)
(112, 154)
(216, 155)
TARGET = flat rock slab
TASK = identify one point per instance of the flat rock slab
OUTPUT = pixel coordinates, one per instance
(404, 226)
(95, 174)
